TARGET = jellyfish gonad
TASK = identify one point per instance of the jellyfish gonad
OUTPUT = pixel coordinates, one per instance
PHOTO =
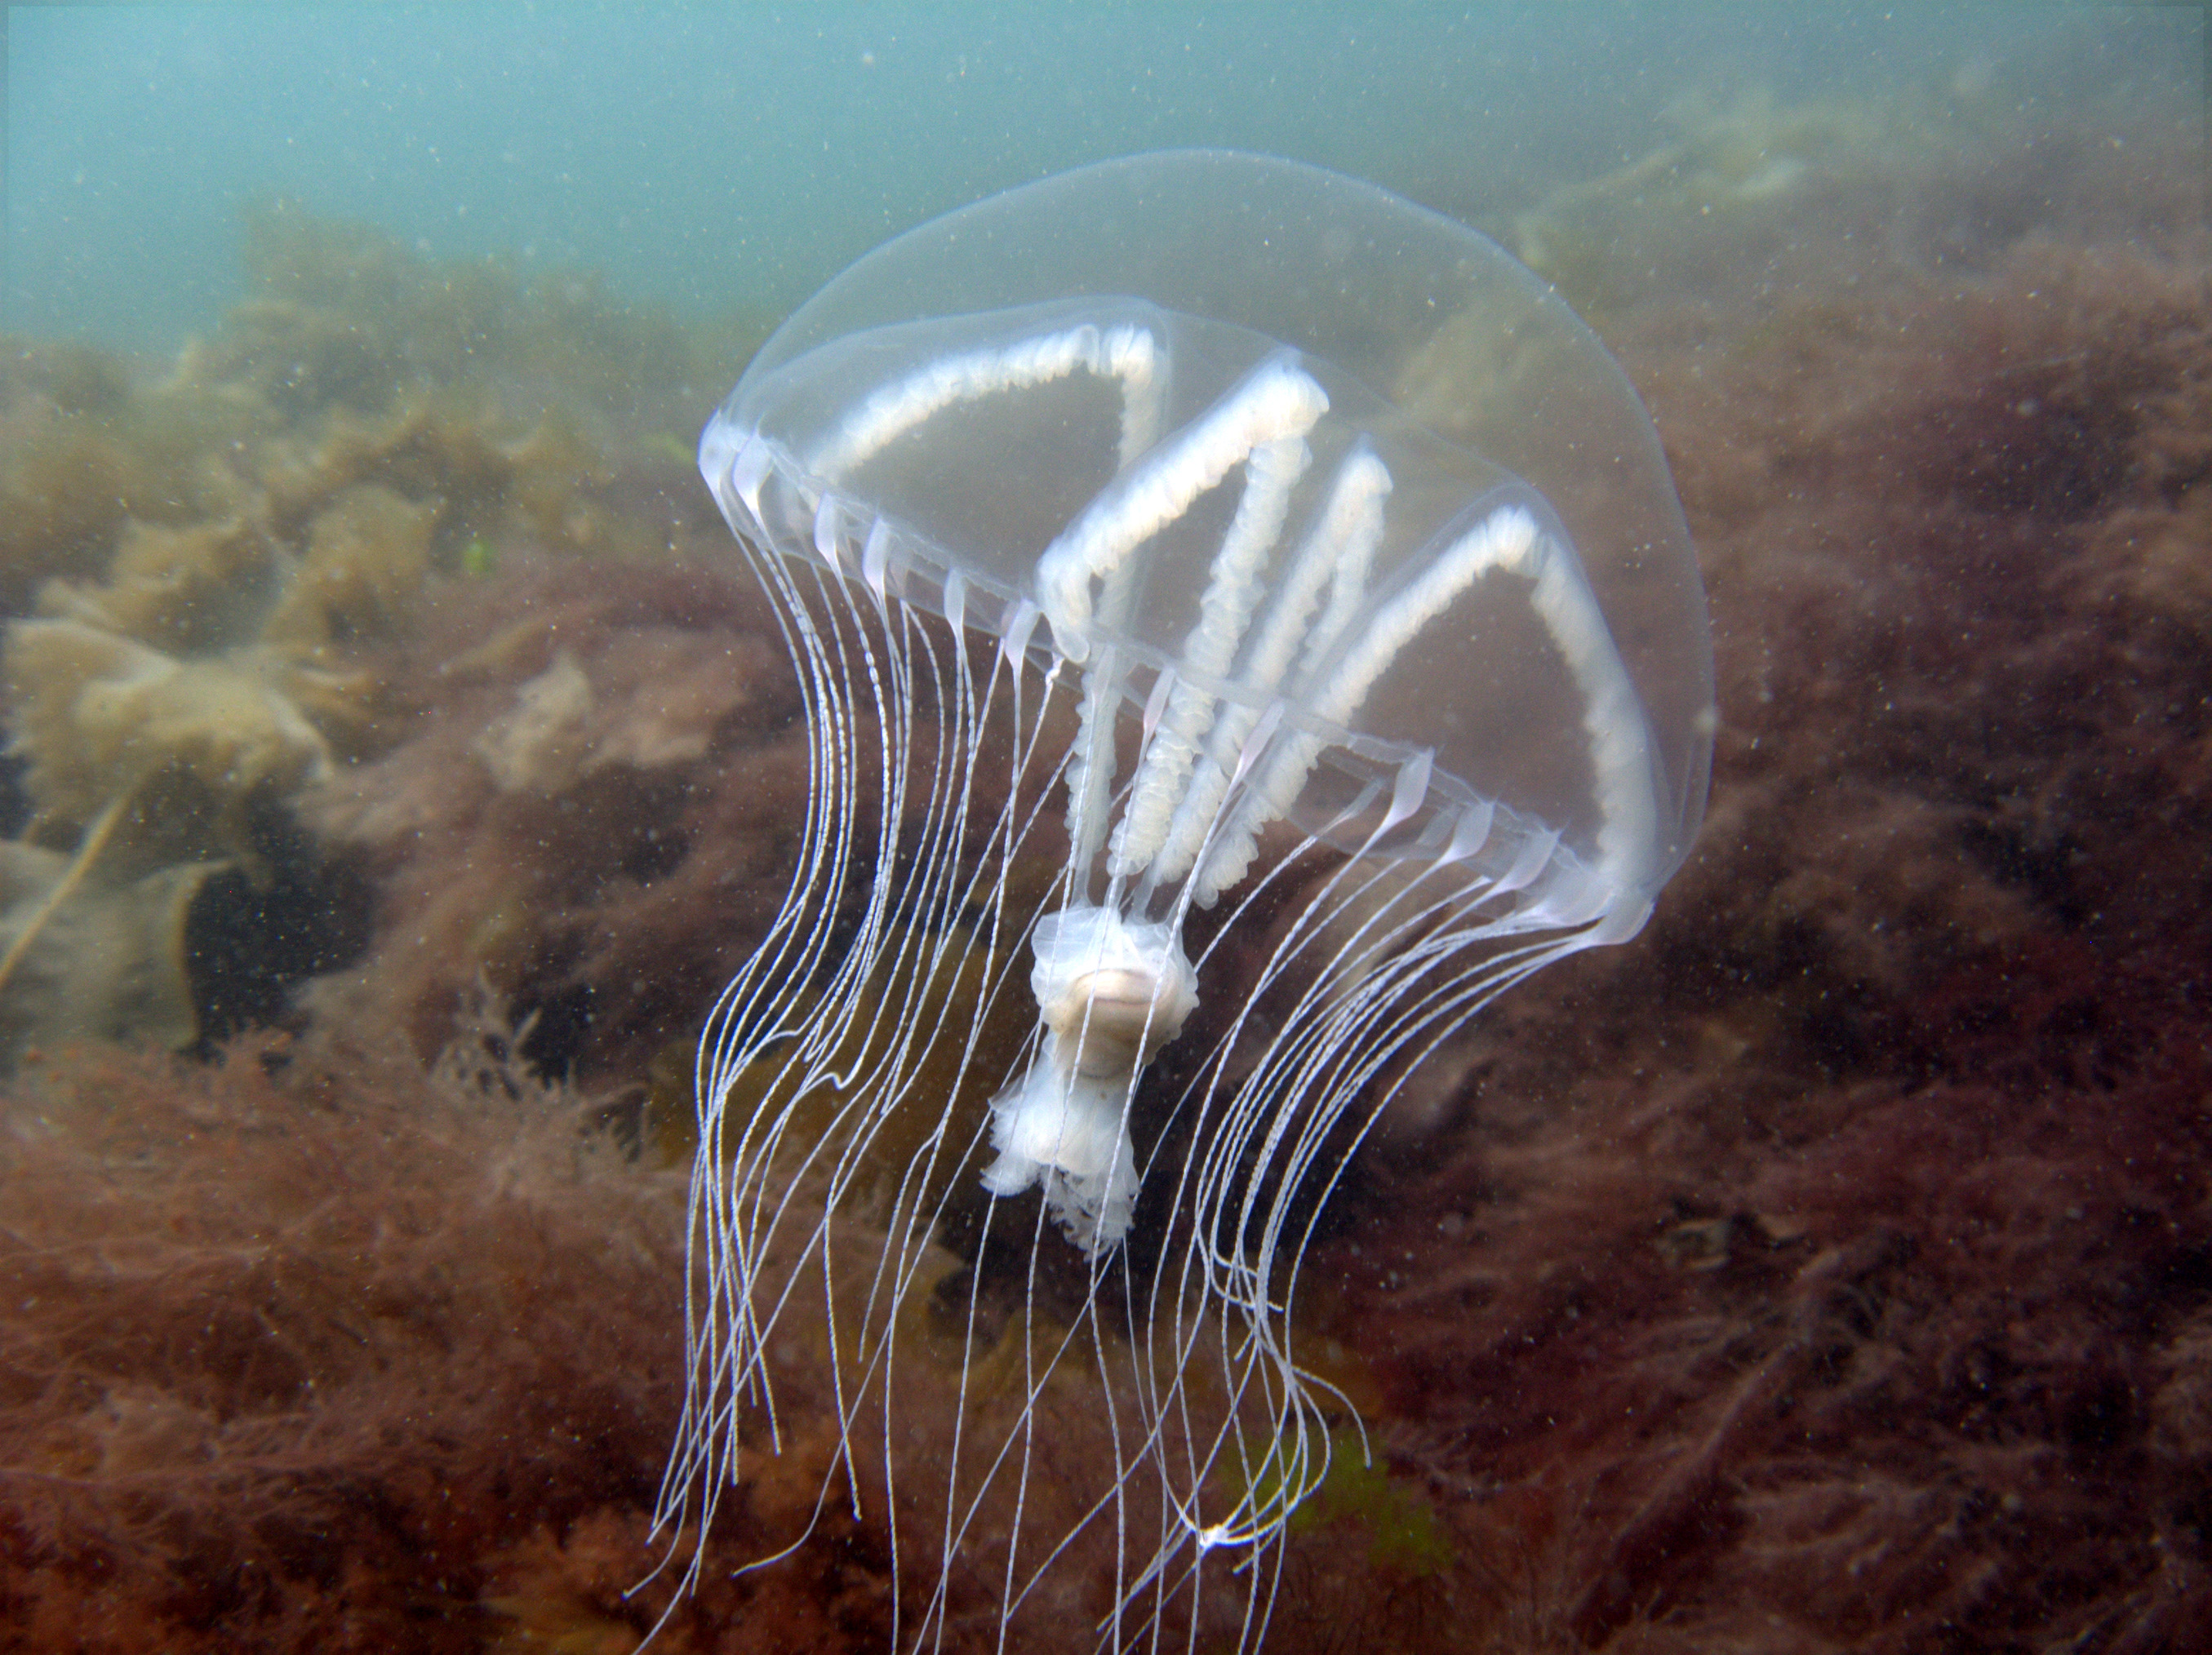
(1245, 624)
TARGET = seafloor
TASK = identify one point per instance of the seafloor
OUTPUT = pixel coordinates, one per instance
(400, 763)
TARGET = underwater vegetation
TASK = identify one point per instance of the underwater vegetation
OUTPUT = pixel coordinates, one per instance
(215, 569)
(1828, 1267)
(254, 1398)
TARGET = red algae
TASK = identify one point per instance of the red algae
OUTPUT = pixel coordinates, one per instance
(591, 813)
(1831, 1269)
(285, 1358)
(309, 1349)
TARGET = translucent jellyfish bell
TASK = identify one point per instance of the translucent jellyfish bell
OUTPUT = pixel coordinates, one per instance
(1241, 614)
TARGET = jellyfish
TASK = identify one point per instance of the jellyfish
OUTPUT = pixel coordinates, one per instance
(1244, 624)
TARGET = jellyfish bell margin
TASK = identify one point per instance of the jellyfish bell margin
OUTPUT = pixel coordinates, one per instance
(1261, 556)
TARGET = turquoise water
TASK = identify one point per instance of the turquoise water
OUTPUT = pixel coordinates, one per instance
(707, 157)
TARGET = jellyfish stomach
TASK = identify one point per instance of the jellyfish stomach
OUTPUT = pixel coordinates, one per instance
(1110, 993)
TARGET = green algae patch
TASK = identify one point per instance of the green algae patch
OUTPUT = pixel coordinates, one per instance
(1358, 1495)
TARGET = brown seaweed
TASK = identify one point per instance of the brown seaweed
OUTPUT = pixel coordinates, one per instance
(209, 569)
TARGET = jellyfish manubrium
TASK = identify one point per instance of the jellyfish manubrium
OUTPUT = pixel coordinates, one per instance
(1245, 623)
